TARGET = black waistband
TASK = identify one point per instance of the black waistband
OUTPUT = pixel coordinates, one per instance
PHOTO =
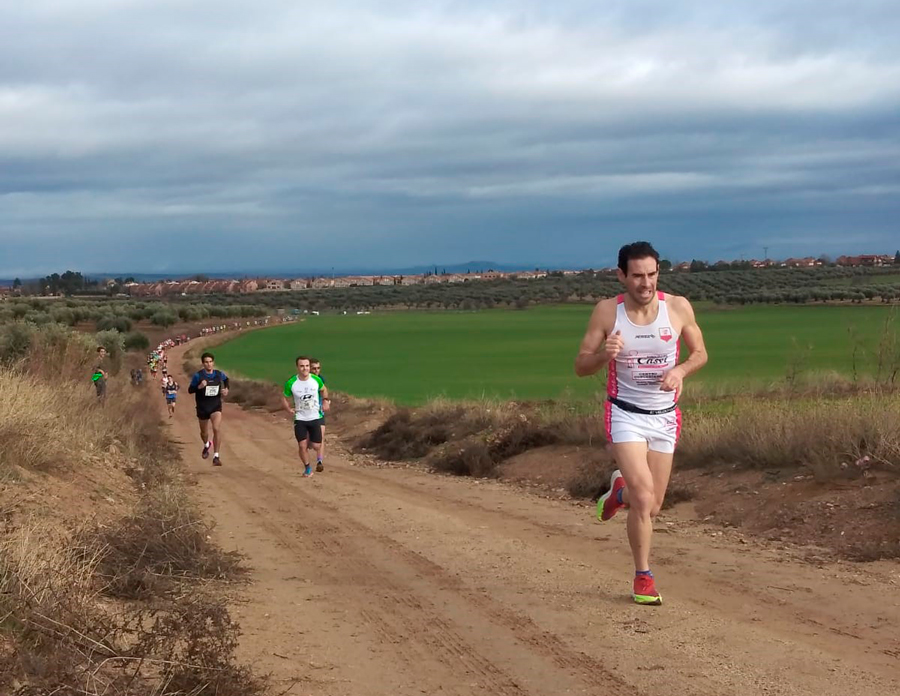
(631, 408)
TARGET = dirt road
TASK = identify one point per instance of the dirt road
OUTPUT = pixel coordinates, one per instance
(392, 581)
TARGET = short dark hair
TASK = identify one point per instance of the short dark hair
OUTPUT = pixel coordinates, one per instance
(315, 361)
(301, 357)
(635, 251)
(99, 348)
(207, 355)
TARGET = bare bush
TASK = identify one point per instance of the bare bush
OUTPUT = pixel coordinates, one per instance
(62, 639)
(163, 541)
(250, 393)
(402, 436)
(592, 478)
(470, 458)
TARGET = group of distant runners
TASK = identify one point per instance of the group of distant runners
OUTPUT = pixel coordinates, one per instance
(634, 336)
(209, 385)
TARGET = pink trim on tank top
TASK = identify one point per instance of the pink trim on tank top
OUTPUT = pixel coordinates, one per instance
(620, 299)
(607, 407)
(661, 295)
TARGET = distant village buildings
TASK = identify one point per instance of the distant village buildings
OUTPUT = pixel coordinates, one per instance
(268, 285)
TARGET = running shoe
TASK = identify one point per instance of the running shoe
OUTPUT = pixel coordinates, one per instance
(320, 466)
(645, 591)
(307, 472)
(205, 453)
(217, 461)
(609, 504)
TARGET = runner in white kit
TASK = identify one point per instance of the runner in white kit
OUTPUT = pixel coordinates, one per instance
(636, 337)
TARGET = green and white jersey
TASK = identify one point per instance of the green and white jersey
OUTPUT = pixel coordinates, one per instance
(306, 397)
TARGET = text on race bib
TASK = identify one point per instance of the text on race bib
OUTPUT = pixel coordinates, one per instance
(212, 390)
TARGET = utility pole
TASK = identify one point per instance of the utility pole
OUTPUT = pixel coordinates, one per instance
(765, 253)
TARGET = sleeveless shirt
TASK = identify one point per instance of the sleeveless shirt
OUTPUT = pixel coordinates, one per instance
(648, 353)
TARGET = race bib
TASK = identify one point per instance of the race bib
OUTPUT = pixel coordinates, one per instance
(212, 390)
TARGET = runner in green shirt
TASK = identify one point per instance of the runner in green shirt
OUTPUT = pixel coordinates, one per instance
(305, 388)
(315, 368)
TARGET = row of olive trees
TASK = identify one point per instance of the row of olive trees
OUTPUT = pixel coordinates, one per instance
(735, 287)
(119, 316)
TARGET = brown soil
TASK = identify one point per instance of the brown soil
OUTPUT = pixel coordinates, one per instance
(372, 579)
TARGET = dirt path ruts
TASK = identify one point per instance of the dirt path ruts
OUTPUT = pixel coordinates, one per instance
(392, 581)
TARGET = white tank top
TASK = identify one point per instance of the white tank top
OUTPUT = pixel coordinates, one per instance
(648, 353)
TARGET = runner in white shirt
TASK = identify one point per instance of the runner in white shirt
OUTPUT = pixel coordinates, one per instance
(636, 337)
(305, 389)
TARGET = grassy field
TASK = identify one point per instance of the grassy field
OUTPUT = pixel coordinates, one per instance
(413, 356)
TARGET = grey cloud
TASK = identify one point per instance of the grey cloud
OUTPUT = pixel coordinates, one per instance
(402, 131)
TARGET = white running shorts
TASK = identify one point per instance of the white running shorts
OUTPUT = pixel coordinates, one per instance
(659, 432)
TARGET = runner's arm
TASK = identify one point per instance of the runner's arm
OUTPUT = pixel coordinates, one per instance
(195, 381)
(284, 398)
(693, 340)
(590, 360)
(224, 384)
(326, 400)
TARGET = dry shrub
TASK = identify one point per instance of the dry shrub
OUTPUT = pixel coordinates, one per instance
(48, 351)
(470, 459)
(827, 436)
(61, 638)
(49, 607)
(518, 437)
(250, 393)
(194, 641)
(481, 456)
(344, 405)
(404, 436)
(409, 434)
(163, 541)
(677, 493)
(592, 478)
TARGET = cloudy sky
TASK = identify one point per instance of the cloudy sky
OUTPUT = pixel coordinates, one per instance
(216, 135)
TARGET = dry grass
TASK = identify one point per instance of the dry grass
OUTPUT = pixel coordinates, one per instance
(162, 543)
(44, 425)
(60, 637)
(827, 436)
(64, 625)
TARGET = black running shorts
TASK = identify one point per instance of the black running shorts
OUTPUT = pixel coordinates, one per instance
(311, 429)
(204, 413)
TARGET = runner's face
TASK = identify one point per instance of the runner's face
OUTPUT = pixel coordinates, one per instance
(640, 283)
(208, 364)
(315, 368)
(303, 369)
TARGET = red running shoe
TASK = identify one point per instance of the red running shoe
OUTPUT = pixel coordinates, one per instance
(609, 504)
(645, 591)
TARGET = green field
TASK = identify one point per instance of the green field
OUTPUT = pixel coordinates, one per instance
(412, 356)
